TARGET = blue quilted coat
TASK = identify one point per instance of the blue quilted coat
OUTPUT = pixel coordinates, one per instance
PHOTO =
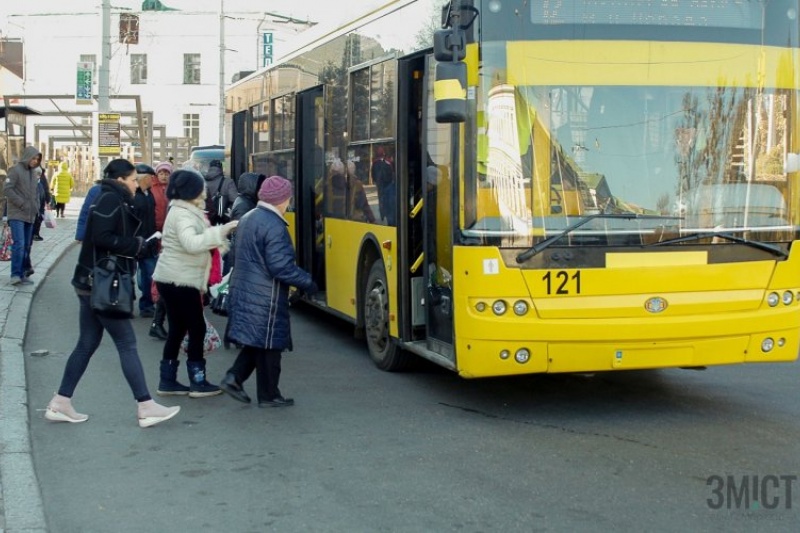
(258, 297)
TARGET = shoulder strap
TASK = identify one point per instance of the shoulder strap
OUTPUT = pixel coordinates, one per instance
(122, 211)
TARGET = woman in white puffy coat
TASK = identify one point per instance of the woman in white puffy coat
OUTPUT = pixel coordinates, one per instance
(181, 276)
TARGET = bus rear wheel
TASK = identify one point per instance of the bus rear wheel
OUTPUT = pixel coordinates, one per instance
(382, 347)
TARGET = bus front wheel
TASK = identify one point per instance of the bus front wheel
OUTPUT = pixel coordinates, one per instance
(382, 347)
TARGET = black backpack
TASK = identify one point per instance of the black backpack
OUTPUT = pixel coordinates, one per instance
(217, 205)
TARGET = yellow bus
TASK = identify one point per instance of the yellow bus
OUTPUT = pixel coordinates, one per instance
(594, 186)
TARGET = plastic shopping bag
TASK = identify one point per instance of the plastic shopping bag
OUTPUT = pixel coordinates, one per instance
(211, 341)
(5, 243)
(49, 219)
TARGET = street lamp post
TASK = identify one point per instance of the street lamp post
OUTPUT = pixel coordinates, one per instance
(222, 72)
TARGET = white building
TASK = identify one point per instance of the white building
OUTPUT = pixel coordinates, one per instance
(172, 63)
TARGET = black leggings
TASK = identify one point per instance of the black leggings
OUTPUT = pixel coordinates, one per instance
(60, 209)
(185, 315)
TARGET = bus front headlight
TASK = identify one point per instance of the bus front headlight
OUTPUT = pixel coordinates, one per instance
(499, 307)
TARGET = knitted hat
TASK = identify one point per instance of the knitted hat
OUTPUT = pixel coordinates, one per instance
(275, 190)
(185, 184)
(164, 166)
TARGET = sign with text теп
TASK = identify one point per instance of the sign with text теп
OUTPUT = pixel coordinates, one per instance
(266, 48)
(83, 89)
(108, 134)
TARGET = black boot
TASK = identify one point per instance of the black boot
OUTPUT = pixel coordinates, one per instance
(232, 386)
(168, 384)
(157, 327)
(199, 387)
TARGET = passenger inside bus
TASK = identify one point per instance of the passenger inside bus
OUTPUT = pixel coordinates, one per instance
(344, 195)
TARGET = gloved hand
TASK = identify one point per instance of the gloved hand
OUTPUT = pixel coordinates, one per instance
(149, 249)
(312, 290)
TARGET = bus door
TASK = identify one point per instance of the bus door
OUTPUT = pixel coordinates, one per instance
(310, 173)
(437, 159)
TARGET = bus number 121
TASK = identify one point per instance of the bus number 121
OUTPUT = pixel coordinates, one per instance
(561, 281)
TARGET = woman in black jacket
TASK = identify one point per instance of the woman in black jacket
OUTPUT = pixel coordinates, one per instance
(111, 228)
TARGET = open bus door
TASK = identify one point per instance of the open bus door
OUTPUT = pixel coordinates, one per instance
(310, 172)
(439, 160)
(429, 155)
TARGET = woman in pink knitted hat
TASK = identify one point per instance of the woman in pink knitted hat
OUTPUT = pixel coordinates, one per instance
(258, 310)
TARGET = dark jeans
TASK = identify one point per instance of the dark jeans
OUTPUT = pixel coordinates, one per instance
(266, 363)
(145, 279)
(22, 233)
(91, 333)
(185, 315)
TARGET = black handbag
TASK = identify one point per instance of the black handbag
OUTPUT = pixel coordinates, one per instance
(219, 303)
(112, 288)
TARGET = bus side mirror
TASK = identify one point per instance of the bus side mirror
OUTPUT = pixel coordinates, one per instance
(450, 92)
(449, 45)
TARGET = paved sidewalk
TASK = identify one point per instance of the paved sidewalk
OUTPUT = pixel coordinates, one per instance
(20, 500)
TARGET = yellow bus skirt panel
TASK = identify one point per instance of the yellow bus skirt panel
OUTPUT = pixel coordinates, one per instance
(343, 243)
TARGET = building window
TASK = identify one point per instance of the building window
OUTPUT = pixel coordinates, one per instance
(191, 128)
(138, 69)
(191, 69)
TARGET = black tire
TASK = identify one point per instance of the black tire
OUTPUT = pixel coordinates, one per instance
(382, 347)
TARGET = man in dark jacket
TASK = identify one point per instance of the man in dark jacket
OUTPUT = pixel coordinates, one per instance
(22, 192)
(249, 183)
(144, 207)
(44, 202)
(218, 184)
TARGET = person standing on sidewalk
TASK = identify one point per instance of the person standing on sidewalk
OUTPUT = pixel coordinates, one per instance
(21, 190)
(144, 207)
(258, 305)
(62, 186)
(44, 203)
(181, 276)
(159, 192)
(111, 228)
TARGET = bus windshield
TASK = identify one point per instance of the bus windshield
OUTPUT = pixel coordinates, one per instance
(682, 133)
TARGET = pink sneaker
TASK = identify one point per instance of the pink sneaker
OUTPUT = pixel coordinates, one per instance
(60, 410)
(150, 413)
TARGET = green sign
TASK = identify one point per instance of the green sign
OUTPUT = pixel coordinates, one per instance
(83, 89)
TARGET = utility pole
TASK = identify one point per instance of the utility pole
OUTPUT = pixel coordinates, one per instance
(105, 59)
(221, 72)
(103, 105)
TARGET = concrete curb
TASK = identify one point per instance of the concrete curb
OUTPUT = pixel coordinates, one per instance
(21, 507)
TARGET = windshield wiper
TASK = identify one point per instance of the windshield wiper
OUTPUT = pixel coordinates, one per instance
(541, 245)
(727, 236)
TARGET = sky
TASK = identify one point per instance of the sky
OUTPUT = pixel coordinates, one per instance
(302, 9)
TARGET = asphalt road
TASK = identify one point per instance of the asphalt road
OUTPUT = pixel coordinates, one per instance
(423, 451)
